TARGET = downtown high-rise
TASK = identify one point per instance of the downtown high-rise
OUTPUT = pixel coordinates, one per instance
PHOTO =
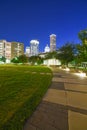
(10, 50)
(52, 42)
(34, 47)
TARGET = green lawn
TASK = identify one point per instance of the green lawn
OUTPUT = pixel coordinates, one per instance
(21, 90)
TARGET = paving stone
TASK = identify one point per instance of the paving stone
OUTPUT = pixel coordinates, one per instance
(57, 85)
(56, 96)
(77, 121)
(62, 105)
(28, 126)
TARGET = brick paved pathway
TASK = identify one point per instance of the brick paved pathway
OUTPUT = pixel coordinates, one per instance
(64, 107)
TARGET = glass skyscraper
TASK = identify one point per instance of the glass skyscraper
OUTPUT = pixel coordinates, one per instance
(34, 47)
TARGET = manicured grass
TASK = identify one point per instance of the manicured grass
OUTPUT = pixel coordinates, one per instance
(21, 90)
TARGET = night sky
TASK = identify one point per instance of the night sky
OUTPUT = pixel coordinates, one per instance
(24, 20)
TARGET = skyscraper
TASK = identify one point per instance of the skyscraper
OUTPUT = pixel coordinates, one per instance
(52, 42)
(34, 47)
(27, 51)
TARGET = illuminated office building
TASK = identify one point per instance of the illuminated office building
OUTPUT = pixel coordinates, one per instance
(27, 51)
(52, 42)
(34, 47)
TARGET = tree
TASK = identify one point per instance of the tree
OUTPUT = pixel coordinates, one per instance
(82, 53)
(2, 58)
(15, 60)
(36, 60)
(83, 36)
(20, 59)
(51, 55)
(23, 59)
(66, 53)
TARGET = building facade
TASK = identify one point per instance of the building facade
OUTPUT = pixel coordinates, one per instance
(27, 51)
(2, 47)
(52, 42)
(34, 47)
(10, 50)
(17, 49)
(52, 62)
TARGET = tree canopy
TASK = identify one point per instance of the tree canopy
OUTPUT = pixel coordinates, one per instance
(66, 53)
(2, 58)
(51, 55)
(35, 60)
(83, 36)
(82, 53)
(20, 59)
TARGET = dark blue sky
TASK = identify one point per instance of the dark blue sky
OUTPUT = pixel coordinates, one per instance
(24, 20)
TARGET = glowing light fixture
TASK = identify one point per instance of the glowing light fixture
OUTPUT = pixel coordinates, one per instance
(82, 74)
(67, 69)
(60, 67)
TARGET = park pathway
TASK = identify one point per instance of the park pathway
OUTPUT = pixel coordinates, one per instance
(64, 106)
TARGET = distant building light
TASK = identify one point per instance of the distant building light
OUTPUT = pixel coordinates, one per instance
(34, 42)
(52, 35)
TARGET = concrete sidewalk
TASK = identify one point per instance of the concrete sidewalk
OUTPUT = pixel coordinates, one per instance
(64, 107)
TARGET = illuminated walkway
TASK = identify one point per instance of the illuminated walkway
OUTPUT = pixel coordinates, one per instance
(64, 107)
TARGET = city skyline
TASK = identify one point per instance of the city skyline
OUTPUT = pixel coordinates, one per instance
(23, 21)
